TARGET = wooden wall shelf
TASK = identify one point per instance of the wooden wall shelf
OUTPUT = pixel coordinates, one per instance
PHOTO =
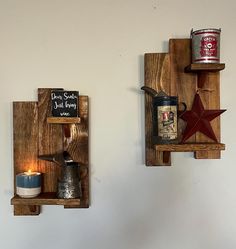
(209, 67)
(36, 133)
(45, 199)
(189, 147)
(177, 76)
(59, 120)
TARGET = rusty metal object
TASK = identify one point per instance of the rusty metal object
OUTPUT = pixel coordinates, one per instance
(69, 181)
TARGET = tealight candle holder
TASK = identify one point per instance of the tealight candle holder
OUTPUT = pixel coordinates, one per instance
(28, 184)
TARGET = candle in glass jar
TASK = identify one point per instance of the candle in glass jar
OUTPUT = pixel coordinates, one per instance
(28, 184)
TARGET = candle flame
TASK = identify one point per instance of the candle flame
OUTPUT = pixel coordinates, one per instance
(29, 172)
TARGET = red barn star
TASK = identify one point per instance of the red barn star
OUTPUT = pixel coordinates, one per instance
(198, 119)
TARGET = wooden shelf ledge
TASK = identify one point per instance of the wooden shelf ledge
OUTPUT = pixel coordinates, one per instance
(64, 120)
(190, 147)
(210, 67)
(48, 198)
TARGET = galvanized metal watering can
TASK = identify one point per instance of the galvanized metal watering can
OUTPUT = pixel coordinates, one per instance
(69, 180)
(164, 117)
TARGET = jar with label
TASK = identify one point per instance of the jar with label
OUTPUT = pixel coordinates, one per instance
(165, 119)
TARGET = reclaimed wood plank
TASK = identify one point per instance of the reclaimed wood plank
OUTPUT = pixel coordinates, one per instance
(182, 85)
(209, 67)
(190, 147)
(50, 141)
(77, 144)
(210, 96)
(25, 141)
(26, 210)
(157, 76)
(48, 198)
(64, 120)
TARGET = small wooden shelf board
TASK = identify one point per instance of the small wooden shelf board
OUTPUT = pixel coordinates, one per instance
(49, 198)
(64, 120)
(176, 76)
(187, 147)
(36, 133)
(209, 67)
(190, 147)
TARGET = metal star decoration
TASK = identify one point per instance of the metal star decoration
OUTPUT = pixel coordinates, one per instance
(198, 119)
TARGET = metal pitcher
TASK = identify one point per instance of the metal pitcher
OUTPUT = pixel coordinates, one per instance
(69, 181)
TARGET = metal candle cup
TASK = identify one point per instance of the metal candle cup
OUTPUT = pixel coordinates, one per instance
(28, 184)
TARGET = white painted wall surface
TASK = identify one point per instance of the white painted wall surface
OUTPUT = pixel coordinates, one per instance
(97, 47)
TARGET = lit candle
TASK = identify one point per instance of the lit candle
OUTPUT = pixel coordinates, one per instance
(28, 184)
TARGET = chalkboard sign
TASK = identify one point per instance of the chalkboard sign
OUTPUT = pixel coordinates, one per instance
(64, 103)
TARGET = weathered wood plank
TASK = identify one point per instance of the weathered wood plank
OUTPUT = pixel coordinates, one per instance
(63, 120)
(44, 199)
(77, 144)
(50, 140)
(27, 210)
(25, 140)
(190, 147)
(157, 76)
(210, 96)
(209, 67)
(183, 85)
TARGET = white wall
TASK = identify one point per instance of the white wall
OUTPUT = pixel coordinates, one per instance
(97, 47)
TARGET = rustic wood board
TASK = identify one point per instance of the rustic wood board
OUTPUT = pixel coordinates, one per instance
(44, 199)
(78, 147)
(209, 67)
(190, 147)
(63, 120)
(26, 210)
(25, 140)
(211, 100)
(50, 141)
(183, 85)
(157, 76)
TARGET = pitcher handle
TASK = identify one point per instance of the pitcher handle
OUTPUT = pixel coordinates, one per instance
(83, 173)
(181, 112)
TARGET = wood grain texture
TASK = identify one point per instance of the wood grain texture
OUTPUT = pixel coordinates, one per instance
(78, 147)
(190, 147)
(26, 210)
(183, 85)
(25, 140)
(50, 140)
(210, 96)
(44, 199)
(64, 120)
(209, 67)
(157, 76)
